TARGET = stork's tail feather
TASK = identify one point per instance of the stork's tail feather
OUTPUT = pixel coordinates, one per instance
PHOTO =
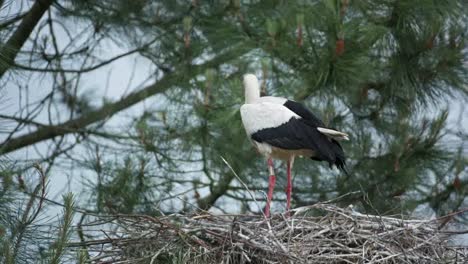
(340, 159)
(341, 165)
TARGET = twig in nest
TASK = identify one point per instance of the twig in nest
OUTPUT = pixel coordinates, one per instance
(321, 233)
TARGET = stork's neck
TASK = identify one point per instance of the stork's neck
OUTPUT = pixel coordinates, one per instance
(252, 90)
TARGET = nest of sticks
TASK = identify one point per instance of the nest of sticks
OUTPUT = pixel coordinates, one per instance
(321, 233)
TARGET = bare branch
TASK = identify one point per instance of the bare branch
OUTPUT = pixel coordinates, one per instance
(11, 48)
(181, 75)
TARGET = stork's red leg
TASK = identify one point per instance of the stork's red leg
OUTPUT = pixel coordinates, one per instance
(289, 185)
(271, 186)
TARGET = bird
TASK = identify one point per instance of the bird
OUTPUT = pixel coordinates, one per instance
(283, 129)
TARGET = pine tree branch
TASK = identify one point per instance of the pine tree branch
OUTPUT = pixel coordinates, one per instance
(10, 50)
(30, 212)
(83, 70)
(217, 191)
(11, 21)
(181, 74)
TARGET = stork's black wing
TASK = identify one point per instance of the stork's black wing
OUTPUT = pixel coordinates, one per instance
(297, 133)
(303, 112)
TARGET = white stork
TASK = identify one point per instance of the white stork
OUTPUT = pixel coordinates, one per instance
(283, 129)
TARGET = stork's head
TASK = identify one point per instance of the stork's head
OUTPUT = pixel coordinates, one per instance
(252, 88)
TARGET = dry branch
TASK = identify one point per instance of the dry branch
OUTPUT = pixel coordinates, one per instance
(10, 49)
(322, 233)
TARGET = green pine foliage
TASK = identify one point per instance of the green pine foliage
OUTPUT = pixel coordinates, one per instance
(24, 228)
(370, 68)
(58, 247)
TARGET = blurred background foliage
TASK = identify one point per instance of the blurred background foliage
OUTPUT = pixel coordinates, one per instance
(391, 73)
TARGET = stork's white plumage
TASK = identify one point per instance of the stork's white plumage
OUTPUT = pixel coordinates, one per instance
(283, 129)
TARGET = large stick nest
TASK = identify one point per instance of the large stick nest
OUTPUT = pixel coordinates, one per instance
(322, 233)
